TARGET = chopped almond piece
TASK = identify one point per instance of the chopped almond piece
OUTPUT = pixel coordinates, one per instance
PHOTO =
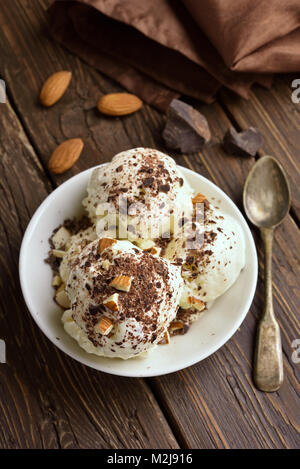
(198, 199)
(176, 326)
(122, 283)
(56, 281)
(62, 299)
(145, 243)
(58, 253)
(112, 302)
(196, 303)
(105, 325)
(105, 243)
(61, 287)
(61, 237)
(105, 264)
(154, 251)
(166, 339)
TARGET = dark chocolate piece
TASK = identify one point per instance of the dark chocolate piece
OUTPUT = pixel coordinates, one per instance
(164, 188)
(148, 182)
(244, 143)
(186, 129)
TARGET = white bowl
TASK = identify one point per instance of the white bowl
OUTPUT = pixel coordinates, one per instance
(204, 337)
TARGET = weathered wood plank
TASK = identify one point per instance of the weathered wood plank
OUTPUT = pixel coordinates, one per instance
(48, 400)
(277, 117)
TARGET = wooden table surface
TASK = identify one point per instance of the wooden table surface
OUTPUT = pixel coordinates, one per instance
(48, 400)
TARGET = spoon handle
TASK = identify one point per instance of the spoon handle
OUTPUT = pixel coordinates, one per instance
(268, 366)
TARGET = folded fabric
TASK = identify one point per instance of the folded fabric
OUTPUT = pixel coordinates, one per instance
(161, 49)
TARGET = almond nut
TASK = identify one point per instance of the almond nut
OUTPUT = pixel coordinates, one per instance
(196, 303)
(105, 243)
(106, 264)
(58, 253)
(61, 287)
(145, 243)
(62, 299)
(166, 339)
(122, 282)
(65, 155)
(119, 104)
(176, 326)
(112, 302)
(56, 282)
(105, 325)
(198, 199)
(155, 251)
(60, 238)
(54, 87)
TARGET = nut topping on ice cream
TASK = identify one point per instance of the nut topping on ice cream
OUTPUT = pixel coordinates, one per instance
(215, 260)
(140, 311)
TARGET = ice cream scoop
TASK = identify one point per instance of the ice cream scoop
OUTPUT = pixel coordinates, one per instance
(212, 262)
(146, 191)
(123, 299)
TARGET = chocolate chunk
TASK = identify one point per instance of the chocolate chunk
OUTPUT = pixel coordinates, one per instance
(244, 143)
(186, 129)
(119, 168)
(148, 182)
(95, 309)
(164, 188)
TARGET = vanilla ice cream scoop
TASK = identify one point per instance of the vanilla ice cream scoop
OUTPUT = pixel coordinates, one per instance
(214, 263)
(145, 188)
(123, 299)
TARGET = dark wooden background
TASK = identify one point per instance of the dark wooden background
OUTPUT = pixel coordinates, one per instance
(48, 400)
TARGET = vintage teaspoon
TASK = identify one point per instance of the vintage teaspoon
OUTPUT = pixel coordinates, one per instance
(266, 200)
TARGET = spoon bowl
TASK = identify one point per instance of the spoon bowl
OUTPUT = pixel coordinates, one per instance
(266, 193)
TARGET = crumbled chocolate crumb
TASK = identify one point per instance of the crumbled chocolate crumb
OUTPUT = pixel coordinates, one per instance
(148, 182)
(164, 188)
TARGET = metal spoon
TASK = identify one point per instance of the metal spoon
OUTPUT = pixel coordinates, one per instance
(266, 200)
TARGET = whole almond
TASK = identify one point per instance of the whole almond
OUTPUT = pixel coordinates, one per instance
(119, 104)
(54, 87)
(65, 155)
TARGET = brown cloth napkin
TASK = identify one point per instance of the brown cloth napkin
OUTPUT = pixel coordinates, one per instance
(160, 49)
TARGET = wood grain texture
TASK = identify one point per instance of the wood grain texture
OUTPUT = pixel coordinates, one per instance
(210, 405)
(46, 399)
(278, 119)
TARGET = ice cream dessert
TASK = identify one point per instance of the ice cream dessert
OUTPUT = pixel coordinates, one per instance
(161, 265)
(122, 299)
(212, 261)
(146, 190)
